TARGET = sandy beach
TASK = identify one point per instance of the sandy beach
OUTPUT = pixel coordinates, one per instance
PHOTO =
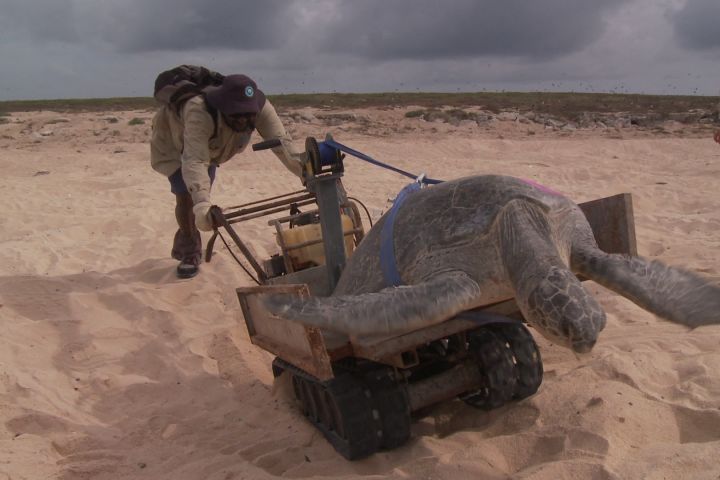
(112, 368)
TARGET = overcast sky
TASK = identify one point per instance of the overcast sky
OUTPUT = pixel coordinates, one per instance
(115, 48)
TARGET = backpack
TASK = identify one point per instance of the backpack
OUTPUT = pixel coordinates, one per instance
(176, 86)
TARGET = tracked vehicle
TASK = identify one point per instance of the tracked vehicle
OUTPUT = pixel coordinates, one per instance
(362, 393)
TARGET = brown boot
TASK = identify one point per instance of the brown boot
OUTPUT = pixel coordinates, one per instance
(187, 245)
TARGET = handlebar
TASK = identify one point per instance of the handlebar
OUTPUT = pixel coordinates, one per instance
(315, 157)
(275, 142)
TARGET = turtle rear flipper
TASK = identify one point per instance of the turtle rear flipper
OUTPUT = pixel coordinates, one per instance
(671, 293)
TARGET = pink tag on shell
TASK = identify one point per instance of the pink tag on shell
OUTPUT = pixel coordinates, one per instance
(540, 187)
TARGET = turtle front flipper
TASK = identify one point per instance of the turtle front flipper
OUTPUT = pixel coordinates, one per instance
(671, 293)
(549, 295)
(393, 310)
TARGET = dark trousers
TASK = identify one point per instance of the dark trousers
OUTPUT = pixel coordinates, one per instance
(187, 245)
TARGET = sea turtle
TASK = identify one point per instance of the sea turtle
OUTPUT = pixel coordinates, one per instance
(482, 239)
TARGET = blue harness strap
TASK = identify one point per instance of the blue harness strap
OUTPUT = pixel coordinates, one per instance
(362, 156)
(387, 245)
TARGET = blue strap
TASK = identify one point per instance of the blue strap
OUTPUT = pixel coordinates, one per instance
(388, 265)
(362, 156)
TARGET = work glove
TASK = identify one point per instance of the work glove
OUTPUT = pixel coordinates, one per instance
(203, 221)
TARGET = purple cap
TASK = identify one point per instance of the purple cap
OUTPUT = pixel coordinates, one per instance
(237, 94)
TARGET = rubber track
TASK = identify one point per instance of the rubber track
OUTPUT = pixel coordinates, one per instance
(496, 365)
(357, 415)
(528, 362)
(391, 399)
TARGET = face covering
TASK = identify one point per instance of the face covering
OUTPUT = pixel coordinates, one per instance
(241, 122)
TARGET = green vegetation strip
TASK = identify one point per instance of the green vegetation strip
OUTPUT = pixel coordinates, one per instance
(568, 105)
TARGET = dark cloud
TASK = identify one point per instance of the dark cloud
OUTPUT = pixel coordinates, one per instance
(188, 24)
(47, 19)
(413, 29)
(140, 25)
(697, 24)
(375, 29)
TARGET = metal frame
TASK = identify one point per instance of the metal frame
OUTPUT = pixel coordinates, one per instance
(300, 345)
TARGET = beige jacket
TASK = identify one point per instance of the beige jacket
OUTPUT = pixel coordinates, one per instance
(184, 141)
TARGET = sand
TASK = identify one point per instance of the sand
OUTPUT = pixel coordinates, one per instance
(111, 368)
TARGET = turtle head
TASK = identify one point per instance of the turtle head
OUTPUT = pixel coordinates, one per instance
(563, 311)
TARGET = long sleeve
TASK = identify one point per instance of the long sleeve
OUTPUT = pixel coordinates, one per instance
(198, 128)
(269, 126)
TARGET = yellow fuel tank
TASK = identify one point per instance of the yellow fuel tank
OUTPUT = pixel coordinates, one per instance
(314, 254)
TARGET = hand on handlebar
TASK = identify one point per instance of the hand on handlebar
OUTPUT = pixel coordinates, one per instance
(207, 216)
(217, 217)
